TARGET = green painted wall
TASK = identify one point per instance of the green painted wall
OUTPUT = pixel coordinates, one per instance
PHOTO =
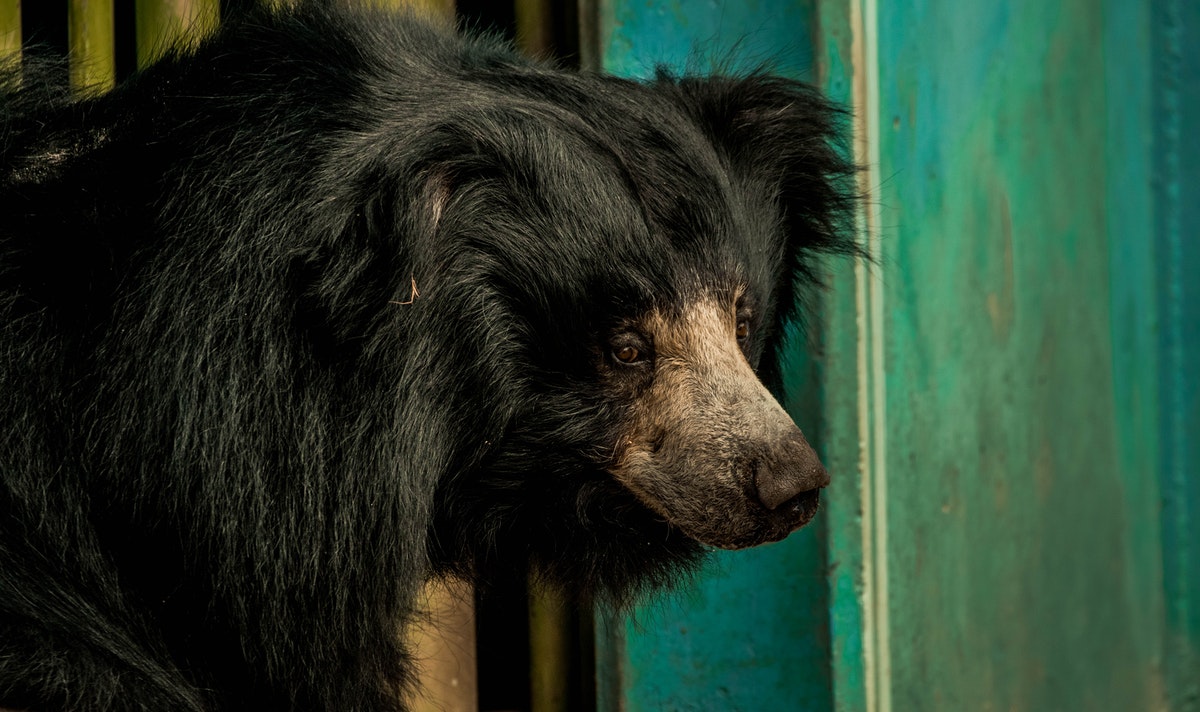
(702, 35)
(1175, 172)
(1002, 376)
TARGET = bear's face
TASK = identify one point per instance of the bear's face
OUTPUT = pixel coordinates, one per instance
(705, 445)
(625, 257)
(646, 350)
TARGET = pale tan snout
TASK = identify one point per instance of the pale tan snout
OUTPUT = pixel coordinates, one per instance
(711, 449)
(783, 464)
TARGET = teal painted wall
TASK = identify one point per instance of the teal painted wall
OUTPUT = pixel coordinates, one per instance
(1018, 375)
(703, 35)
(1175, 40)
(752, 633)
(1022, 555)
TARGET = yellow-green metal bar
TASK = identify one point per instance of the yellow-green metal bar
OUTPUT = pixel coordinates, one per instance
(535, 27)
(435, 8)
(162, 24)
(444, 648)
(446, 679)
(90, 38)
(551, 650)
(551, 646)
(443, 643)
(10, 29)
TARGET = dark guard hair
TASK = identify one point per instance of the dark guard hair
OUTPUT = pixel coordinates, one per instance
(297, 320)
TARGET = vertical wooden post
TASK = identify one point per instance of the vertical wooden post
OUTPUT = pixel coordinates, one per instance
(551, 623)
(90, 39)
(551, 650)
(443, 643)
(162, 24)
(445, 648)
(535, 27)
(845, 448)
(10, 29)
(442, 9)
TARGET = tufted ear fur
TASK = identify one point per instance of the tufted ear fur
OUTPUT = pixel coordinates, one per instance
(782, 140)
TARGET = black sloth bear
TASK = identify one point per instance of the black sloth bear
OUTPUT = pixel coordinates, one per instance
(341, 301)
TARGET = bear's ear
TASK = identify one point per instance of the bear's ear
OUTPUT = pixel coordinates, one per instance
(782, 139)
(784, 136)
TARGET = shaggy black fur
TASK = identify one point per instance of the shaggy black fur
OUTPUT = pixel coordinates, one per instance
(236, 438)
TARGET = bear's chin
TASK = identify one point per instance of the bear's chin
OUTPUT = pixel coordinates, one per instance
(758, 526)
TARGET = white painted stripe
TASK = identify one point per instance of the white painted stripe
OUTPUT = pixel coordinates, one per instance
(879, 376)
(883, 649)
(872, 385)
(864, 362)
(866, 491)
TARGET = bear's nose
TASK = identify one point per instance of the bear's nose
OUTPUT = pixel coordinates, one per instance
(791, 469)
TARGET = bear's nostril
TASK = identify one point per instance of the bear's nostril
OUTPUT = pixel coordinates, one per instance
(786, 470)
(777, 483)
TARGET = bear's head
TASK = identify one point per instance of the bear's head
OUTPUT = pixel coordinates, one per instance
(632, 254)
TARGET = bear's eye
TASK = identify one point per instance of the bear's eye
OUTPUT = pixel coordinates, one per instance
(627, 354)
(630, 348)
(743, 331)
